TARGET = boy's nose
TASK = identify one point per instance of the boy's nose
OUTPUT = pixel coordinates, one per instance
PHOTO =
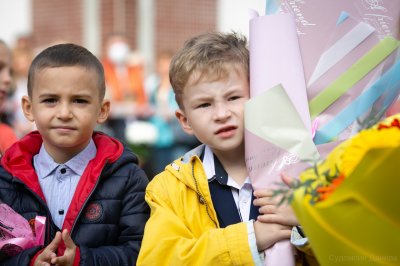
(64, 111)
(222, 113)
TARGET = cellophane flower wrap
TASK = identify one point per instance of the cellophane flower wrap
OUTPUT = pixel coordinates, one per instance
(320, 71)
(350, 213)
(17, 234)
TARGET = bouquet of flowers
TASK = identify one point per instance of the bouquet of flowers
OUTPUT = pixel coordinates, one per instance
(17, 234)
(316, 68)
(348, 204)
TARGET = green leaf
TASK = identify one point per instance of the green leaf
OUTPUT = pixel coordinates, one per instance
(290, 199)
(282, 201)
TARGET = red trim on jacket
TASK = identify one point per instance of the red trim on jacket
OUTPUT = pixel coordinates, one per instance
(18, 162)
(107, 150)
(77, 257)
(34, 258)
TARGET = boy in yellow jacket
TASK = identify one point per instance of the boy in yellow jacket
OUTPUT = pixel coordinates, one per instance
(202, 206)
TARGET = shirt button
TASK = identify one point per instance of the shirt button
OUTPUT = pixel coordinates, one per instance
(244, 199)
(63, 171)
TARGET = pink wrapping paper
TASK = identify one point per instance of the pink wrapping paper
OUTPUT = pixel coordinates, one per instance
(275, 58)
(15, 232)
(317, 31)
(266, 162)
(317, 19)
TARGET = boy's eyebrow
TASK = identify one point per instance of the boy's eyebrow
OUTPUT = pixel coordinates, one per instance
(45, 95)
(81, 96)
(202, 98)
(232, 89)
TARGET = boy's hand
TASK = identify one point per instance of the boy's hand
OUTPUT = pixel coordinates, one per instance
(271, 212)
(268, 234)
(69, 255)
(48, 253)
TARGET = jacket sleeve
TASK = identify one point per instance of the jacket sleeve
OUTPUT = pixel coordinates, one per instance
(168, 241)
(23, 258)
(134, 214)
(302, 244)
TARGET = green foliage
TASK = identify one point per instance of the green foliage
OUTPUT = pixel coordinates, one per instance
(307, 185)
(374, 118)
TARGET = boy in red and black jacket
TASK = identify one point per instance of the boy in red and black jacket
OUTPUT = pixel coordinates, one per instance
(86, 184)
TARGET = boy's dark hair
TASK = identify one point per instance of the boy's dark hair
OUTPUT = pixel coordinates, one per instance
(211, 54)
(67, 55)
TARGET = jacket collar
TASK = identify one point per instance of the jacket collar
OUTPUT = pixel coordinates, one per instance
(18, 158)
(182, 169)
(46, 163)
(18, 162)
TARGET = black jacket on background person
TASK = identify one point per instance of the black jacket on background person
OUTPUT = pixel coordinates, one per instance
(107, 214)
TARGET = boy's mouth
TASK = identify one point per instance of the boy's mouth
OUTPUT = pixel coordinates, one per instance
(226, 130)
(64, 129)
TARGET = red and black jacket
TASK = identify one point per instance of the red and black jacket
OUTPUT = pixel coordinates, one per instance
(107, 214)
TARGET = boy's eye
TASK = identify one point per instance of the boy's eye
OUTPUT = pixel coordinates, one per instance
(204, 105)
(233, 98)
(80, 101)
(51, 100)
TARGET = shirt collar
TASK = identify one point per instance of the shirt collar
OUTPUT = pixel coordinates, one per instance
(215, 171)
(77, 164)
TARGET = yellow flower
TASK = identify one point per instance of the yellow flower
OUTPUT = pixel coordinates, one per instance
(365, 141)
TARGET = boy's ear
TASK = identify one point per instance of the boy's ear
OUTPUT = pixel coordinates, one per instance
(104, 111)
(27, 108)
(180, 115)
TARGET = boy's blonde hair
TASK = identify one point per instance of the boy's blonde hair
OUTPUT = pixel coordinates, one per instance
(212, 55)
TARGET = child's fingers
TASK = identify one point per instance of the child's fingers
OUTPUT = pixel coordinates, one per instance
(270, 218)
(287, 179)
(46, 256)
(68, 240)
(263, 193)
(63, 260)
(54, 244)
(267, 201)
(267, 209)
(285, 233)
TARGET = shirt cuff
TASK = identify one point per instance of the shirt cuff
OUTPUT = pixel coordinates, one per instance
(297, 239)
(258, 257)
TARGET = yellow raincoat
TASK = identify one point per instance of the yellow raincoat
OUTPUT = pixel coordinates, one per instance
(183, 227)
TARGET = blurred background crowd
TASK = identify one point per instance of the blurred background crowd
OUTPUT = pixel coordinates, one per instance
(135, 40)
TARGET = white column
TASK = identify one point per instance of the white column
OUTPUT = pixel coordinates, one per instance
(146, 32)
(15, 19)
(232, 14)
(91, 26)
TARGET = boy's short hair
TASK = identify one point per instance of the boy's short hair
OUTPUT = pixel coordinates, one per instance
(67, 55)
(212, 55)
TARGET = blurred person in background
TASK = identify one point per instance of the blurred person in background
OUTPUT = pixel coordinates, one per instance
(24, 42)
(172, 141)
(22, 59)
(124, 82)
(7, 135)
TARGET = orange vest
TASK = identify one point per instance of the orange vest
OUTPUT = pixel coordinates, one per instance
(134, 83)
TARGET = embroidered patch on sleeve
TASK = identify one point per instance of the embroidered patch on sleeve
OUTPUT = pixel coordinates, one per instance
(93, 212)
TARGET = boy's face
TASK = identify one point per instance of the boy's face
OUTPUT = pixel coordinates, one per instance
(65, 106)
(214, 111)
(5, 75)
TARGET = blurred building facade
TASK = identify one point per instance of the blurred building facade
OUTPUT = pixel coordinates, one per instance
(151, 26)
